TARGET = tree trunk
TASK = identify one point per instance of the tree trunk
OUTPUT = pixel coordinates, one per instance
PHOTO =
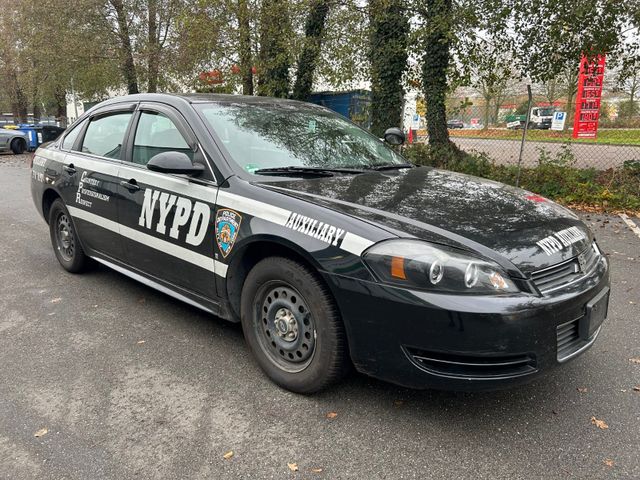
(435, 62)
(487, 110)
(20, 106)
(60, 98)
(274, 49)
(313, 32)
(388, 45)
(128, 66)
(153, 49)
(246, 57)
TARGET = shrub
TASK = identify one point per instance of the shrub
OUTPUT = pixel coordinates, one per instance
(555, 176)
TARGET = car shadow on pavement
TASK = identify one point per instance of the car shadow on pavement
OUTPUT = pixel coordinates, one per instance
(544, 400)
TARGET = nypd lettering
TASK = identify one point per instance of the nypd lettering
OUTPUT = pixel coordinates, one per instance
(316, 229)
(196, 214)
(560, 240)
(227, 227)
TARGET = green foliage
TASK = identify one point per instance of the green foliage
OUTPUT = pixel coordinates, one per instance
(275, 54)
(388, 56)
(555, 176)
(307, 63)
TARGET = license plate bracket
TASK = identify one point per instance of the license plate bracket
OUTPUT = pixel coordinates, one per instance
(596, 313)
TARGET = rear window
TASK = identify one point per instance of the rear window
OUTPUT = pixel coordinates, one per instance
(70, 138)
(105, 135)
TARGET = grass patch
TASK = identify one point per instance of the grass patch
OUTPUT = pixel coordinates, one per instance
(618, 136)
(555, 177)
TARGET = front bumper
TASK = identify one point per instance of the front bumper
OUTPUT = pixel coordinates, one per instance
(455, 342)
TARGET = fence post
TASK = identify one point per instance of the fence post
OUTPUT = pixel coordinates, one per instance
(524, 134)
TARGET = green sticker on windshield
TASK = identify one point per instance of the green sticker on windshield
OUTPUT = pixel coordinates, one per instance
(312, 126)
(251, 167)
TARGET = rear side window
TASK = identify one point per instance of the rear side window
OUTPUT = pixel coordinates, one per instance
(105, 135)
(155, 134)
(70, 139)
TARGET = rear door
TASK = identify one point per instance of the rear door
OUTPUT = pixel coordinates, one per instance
(167, 220)
(94, 151)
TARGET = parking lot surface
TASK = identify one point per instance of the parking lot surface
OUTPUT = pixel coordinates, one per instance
(129, 383)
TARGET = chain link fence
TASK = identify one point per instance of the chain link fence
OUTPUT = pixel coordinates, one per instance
(496, 133)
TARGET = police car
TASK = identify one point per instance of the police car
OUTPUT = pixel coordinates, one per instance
(326, 244)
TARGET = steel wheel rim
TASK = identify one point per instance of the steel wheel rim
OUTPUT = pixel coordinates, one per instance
(284, 326)
(65, 241)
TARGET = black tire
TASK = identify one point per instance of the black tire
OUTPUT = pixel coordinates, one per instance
(64, 239)
(18, 146)
(292, 326)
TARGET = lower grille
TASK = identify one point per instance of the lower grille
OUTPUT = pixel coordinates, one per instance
(569, 340)
(472, 366)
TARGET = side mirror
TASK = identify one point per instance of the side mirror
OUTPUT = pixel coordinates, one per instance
(174, 162)
(394, 136)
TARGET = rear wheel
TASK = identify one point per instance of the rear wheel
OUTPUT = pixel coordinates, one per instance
(18, 146)
(64, 239)
(292, 326)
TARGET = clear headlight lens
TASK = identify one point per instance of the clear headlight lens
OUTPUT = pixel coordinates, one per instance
(418, 264)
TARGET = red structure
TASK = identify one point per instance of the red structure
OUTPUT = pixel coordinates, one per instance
(590, 80)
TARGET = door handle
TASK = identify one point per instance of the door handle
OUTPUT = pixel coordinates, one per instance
(70, 169)
(130, 185)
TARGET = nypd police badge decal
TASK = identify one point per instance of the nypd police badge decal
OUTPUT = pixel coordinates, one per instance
(227, 227)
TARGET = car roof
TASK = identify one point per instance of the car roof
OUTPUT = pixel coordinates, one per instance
(180, 99)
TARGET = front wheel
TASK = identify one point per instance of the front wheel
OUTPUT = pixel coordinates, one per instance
(64, 239)
(292, 326)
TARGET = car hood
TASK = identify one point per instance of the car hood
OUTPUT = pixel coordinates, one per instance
(451, 208)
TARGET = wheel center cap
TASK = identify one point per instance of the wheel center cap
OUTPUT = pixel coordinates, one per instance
(285, 324)
(65, 237)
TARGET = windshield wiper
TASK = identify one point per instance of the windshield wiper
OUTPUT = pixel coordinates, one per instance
(317, 171)
(390, 166)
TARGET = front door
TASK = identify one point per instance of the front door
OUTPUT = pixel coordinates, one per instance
(167, 220)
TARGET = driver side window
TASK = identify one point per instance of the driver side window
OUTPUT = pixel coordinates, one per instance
(156, 133)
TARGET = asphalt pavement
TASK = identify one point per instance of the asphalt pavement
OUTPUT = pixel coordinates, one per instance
(129, 383)
(505, 152)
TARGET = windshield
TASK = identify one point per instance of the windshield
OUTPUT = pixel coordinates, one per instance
(272, 136)
(546, 112)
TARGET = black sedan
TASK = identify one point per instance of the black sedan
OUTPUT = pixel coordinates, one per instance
(327, 246)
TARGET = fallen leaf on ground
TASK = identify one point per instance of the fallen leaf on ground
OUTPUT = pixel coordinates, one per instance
(397, 403)
(636, 388)
(140, 342)
(635, 360)
(599, 423)
(56, 300)
(228, 455)
(41, 432)
(608, 462)
(293, 467)
(142, 300)
(331, 415)
(582, 389)
(316, 470)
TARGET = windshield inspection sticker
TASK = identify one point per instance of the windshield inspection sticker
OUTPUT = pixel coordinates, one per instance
(316, 229)
(560, 240)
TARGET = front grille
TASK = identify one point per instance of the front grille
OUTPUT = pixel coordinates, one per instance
(557, 276)
(472, 366)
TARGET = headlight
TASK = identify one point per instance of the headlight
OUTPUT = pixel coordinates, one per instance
(418, 264)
